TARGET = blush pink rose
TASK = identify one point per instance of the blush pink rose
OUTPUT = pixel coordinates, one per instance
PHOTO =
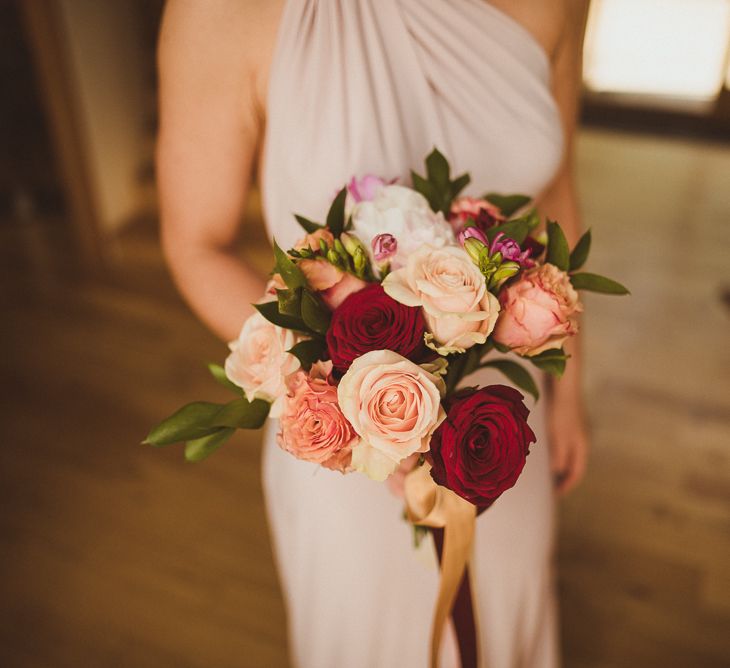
(312, 239)
(313, 427)
(259, 362)
(459, 310)
(394, 405)
(539, 311)
(484, 214)
(333, 285)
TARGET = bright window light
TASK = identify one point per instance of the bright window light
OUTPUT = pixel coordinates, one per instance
(658, 47)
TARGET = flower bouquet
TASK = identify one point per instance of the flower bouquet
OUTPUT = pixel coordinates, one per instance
(369, 325)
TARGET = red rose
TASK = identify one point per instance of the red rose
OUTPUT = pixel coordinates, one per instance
(371, 320)
(479, 451)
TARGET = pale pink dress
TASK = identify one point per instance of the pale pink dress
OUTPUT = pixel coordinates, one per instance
(370, 86)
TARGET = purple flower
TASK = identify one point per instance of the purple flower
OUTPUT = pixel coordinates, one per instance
(510, 251)
(365, 188)
(472, 232)
(384, 246)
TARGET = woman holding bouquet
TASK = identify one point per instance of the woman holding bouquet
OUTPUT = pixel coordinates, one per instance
(308, 91)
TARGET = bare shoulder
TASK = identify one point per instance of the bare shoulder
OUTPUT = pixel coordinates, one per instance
(213, 44)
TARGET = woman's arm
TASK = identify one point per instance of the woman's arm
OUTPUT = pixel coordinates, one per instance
(566, 417)
(210, 59)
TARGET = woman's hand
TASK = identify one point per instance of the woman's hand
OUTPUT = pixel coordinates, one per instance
(568, 439)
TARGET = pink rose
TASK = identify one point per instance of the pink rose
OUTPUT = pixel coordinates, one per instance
(312, 240)
(484, 214)
(258, 362)
(333, 285)
(459, 310)
(538, 311)
(313, 427)
(394, 405)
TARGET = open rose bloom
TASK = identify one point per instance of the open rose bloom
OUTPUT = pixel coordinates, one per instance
(371, 321)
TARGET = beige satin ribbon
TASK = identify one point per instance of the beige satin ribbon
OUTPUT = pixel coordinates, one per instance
(430, 505)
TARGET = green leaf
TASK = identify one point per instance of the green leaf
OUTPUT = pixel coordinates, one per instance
(507, 204)
(458, 184)
(596, 283)
(270, 311)
(198, 449)
(517, 229)
(190, 422)
(241, 414)
(219, 373)
(516, 373)
(438, 170)
(292, 275)
(580, 253)
(501, 347)
(336, 214)
(558, 252)
(308, 352)
(550, 361)
(427, 189)
(316, 316)
(290, 302)
(307, 225)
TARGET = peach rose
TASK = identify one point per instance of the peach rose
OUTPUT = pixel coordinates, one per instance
(459, 310)
(394, 405)
(313, 427)
(312, 239)
(538, 311)
(333, 285)
(258, 362)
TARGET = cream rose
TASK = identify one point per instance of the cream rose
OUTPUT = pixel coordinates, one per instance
(394, 406)
(539, 311)
(258, 362)
(404, 214)
(459, 310)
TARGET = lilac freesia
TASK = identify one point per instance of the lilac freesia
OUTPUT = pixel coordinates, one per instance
(365, 188)
(510, 251)
(472, 232)
(384, 246)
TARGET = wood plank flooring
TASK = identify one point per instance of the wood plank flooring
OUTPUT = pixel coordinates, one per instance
(112, 554)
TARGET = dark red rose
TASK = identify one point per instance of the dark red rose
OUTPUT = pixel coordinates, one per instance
(479, 450)
(371, 320)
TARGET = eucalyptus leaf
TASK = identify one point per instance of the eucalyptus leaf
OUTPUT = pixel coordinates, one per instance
(516, 373)
(270, 311)
(308, 352)
(190, 422)
(241, 414)
(550, 361)
(219, 373)
(579, 255)
(438, 170)
(290, 302)
(427, 189)
(517, 229)
(285, 266)
(308, 226)
(198, 449)
(558, 251)
(507, 204)
(596, 283)
(316, 316)
(458, 184)
(501, 347)
(336, 214)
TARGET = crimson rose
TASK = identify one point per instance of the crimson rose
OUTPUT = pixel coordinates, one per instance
(371, 320)
(479, 451)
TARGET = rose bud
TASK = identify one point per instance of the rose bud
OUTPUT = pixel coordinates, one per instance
(510, 250)
(384, 247)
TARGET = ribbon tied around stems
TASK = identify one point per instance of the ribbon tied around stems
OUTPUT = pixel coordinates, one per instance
(434, 506)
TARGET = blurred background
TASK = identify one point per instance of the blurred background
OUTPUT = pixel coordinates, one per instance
(114, 555)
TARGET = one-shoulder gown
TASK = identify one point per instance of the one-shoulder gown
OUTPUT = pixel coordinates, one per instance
(371, 86)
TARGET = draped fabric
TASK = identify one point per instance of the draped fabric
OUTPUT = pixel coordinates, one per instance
(371, 86)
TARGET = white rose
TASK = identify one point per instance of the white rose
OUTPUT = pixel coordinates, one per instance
(459, 310)
(258, 362)
(406, 215)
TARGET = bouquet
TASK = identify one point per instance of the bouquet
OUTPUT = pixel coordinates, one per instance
(370, 323)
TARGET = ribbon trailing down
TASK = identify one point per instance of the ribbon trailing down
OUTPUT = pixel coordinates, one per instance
(430, 505)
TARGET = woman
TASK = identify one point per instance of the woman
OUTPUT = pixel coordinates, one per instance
(313, 92)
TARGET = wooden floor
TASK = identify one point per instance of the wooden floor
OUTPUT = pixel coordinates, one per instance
(112, 554)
